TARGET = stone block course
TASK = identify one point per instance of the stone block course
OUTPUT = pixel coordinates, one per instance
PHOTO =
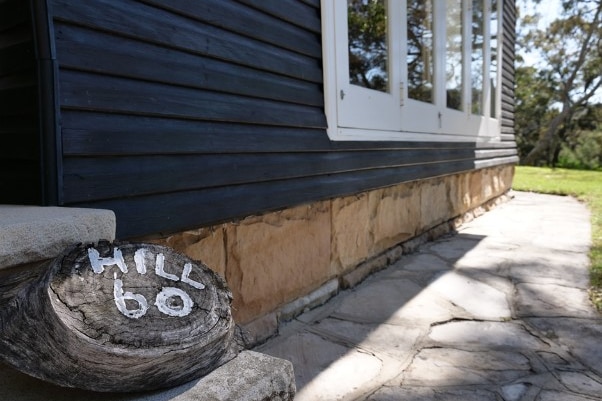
(351, 233)
(206, 244)
(435, 207)
(273, 259)
(395, 215)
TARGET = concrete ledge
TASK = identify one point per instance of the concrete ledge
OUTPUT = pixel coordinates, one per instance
(32, 233)
(251, 376)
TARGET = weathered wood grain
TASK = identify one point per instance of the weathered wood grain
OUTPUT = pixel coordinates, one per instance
(119, 317)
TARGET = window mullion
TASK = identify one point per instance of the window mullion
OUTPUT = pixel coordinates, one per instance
(397, 51)
(440, 53)
(499, 49)
(467, 54)
(486, 59)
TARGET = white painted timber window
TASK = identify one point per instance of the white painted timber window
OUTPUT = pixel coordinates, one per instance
(412, 69)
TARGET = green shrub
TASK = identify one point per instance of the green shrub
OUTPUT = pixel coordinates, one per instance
(586, 153)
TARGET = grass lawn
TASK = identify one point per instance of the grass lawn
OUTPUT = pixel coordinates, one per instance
(586, 186)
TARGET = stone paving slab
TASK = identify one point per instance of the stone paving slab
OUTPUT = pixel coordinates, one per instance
(478, 299)
(582, 337)
(498, 311)
(437, 367)
(331, 362)
(486, 335)
(428, 394)
(552, 300)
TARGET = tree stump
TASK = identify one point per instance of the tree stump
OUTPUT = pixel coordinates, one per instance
(119, 317)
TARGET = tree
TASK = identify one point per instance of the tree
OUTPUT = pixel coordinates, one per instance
(569, 76)
(533, 107)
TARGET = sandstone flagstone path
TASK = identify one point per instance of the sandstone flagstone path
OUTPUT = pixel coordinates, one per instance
(498, 311)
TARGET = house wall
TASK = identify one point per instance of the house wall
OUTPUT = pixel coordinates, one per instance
(206, 119)
(270, 260)
(178, 115)
(20, 179)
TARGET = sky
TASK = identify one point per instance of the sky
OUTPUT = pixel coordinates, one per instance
(549, 11)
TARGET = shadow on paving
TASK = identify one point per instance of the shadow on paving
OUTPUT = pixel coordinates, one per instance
(371, 331)
(468, 317)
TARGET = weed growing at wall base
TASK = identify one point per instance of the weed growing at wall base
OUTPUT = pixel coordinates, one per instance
(586, 186)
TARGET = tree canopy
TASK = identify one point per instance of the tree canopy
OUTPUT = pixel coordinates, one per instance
(557, 98)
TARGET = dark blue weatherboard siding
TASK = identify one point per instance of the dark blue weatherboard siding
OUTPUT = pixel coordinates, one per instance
(165, 173)
(91, 134)
(509, 41)
(151, 24)
(184, 113)
(20, 180)
(164, 213)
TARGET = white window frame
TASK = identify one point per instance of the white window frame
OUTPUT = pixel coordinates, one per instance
(357, 113)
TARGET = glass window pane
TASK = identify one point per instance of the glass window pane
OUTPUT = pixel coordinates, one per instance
(453, 54)
(368, 47)
(493, 67)
(420, 50)
(476, 63)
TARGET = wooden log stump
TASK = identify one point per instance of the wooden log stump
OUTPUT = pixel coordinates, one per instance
(119, 317)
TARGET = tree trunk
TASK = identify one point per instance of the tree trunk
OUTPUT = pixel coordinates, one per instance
(119, 317)
(543, 145)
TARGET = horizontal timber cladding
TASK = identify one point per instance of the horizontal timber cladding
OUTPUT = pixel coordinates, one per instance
(186, 113)
(144, 61)
(159, 174)
(186, 33)
(95, 134)
(126, 96)
(19, 153)
(509, 41)
(156, 213)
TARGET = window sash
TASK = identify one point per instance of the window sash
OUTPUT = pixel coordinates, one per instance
(358, 113)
